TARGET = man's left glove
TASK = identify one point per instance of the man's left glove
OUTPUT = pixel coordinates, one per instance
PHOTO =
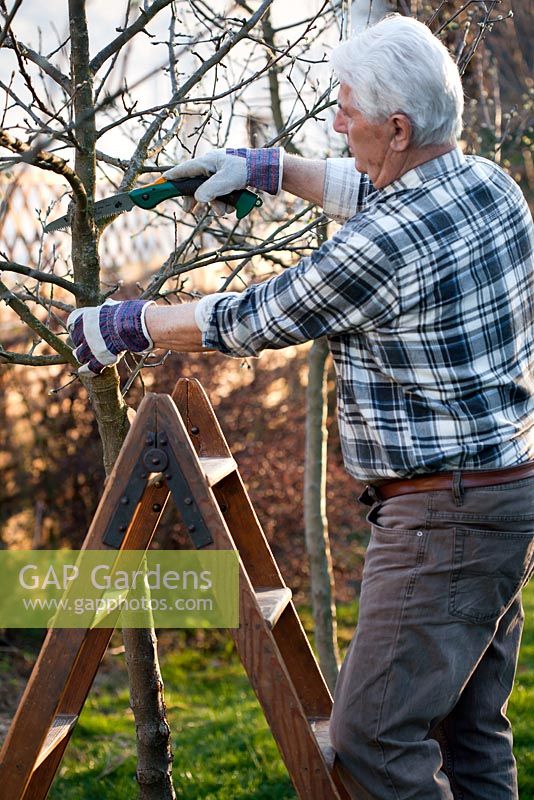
(101, 334)
(231, 169)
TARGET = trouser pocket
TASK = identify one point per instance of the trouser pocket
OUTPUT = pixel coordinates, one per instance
(489, 569)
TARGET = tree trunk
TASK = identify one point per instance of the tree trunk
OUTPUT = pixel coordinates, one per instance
(316, 525)
(355, 17)
(154, 753)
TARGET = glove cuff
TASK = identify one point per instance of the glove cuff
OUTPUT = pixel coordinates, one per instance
(264, 166)
(123, 326)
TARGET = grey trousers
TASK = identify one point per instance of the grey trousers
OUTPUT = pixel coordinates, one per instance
(420, 704)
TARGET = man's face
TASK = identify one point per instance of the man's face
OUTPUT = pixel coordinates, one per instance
(368, 143)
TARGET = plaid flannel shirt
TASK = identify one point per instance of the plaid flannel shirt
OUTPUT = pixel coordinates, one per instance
(426, 295)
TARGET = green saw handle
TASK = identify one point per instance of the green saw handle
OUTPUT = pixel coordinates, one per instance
(149, 196)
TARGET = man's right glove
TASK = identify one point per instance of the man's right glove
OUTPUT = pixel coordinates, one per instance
(233, 169)
(101, 334)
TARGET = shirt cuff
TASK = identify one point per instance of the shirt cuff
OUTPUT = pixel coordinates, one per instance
(204, 308)
(343, 184)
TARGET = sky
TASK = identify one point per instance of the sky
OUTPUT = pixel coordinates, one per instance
(43, 25)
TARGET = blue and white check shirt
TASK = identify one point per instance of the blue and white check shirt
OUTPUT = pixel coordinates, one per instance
(426, 295)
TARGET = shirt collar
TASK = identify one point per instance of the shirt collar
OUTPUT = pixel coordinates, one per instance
(424, 172)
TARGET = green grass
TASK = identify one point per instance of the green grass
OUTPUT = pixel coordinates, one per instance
(521, 707)
(223, 747)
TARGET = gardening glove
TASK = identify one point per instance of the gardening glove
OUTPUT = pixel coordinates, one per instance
(232, 169)
(102, 334)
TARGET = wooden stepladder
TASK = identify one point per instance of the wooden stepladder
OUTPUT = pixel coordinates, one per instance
(176, 447)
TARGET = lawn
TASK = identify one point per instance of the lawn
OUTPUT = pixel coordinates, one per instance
(521, 707)
(223, 748)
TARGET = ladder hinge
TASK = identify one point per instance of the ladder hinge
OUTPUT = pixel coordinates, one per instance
(157, 457)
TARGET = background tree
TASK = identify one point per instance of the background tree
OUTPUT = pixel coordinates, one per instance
(59, 106)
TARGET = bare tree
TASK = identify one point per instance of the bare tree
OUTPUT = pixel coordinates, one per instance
(59, 110)
(322, 587)
(353, 17)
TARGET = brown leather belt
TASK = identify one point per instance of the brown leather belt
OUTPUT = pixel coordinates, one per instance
(444, 480)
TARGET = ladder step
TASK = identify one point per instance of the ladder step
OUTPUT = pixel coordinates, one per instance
(321, 729)
(60, 727)
(272, 602)
(215, 469)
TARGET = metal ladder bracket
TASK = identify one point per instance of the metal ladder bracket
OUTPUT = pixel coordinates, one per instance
(157, 457)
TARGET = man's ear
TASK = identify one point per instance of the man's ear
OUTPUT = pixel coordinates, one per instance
(402, 130)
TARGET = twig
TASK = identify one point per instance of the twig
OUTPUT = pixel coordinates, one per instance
(42, 62)
(223, 256)
(9, 20)
(183, 91)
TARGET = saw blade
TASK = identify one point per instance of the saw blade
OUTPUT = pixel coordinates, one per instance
(115, 204)
(61, 224)
(104, 209)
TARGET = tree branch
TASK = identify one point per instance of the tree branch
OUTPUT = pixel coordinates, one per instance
(48, 303)
(9, 357)
(128, 33)
(42, 62)
(46, 277)
(55, 342)
(120, 163)
(44, 160)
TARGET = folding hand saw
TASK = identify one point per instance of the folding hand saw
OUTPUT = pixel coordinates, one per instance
(149, 196)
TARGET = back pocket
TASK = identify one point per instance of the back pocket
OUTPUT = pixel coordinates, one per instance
(489, 569)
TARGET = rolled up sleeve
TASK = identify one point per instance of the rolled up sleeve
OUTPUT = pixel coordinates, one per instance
(345, 189)
(347, 284)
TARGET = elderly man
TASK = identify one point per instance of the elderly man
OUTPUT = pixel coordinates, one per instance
(426, 295)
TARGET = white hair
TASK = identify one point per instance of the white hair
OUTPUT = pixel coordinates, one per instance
(398, 65)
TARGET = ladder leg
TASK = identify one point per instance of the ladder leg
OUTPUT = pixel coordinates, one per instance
(69, 659)
(42, 777)
(36, 710)
(281, 666)
(75, 692)
(253, 547)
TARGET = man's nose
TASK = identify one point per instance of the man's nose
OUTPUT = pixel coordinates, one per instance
(339, 123)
